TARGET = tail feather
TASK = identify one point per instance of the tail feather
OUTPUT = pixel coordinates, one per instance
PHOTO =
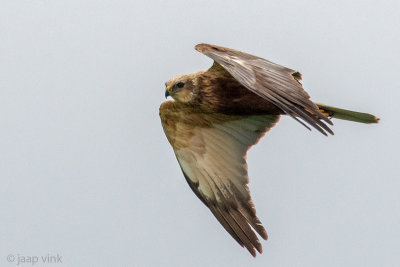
(348, 115)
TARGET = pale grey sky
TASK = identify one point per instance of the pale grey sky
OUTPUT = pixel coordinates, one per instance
(87, 173)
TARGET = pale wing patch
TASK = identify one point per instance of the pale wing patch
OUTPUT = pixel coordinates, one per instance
(226, 145)
(211, 150)
(214, 160)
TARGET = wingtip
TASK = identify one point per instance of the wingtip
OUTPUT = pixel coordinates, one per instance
(259, 247)
(264, 235)
(253, 252)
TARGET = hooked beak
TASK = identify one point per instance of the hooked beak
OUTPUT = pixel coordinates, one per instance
(167, 91)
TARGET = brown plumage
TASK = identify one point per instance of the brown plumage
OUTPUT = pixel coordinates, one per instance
(218, 114)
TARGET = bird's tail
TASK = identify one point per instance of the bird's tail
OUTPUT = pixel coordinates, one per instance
(348, 115)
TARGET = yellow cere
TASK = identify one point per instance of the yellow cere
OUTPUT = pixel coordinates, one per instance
(169, 87)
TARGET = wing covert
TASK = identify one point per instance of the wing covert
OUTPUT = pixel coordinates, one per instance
(275, 83)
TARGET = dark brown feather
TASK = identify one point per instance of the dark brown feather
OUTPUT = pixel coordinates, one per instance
(219, 92)
(278, 85)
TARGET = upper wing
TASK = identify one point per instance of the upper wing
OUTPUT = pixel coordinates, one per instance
(277, 84)
(211, 150)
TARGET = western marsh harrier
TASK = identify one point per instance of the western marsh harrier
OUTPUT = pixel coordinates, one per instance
(216, 115)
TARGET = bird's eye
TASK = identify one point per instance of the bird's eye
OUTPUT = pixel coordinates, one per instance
(180, 84)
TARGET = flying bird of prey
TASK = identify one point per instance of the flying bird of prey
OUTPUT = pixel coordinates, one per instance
(216, 115)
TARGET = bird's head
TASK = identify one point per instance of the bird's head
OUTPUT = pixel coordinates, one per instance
(181, 88)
